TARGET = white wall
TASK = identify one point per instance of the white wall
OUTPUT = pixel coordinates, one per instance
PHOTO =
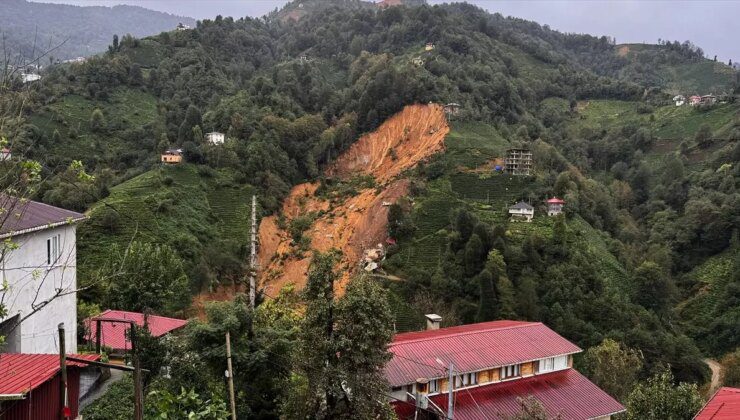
(32, 282)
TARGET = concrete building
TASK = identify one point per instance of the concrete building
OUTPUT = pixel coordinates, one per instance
(555, 206)
(492, 366)
(521, 211)
(40, 268)
(215, 137)
(518, 161)
(171, 156)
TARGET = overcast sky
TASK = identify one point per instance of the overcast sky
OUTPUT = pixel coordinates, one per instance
(714, 25)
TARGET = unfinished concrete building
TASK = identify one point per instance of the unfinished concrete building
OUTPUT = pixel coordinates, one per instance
(518, 162)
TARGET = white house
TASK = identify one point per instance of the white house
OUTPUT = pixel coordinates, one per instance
(521, 210)
(30, 77)
(38, 260)
(679, 100)
(555, 206)
(215, 137)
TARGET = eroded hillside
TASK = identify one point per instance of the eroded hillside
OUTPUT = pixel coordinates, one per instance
(351, 219)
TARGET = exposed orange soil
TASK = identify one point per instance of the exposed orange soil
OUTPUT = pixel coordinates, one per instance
(354, 223)
(623, 50)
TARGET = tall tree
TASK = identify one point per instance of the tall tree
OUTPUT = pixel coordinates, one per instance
(613, 367)
(659, 399)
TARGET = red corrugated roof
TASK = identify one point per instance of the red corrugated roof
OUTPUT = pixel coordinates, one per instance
(724, 405)
(555, 200)
(22, 372)
(471, 348)
(114, 333)
(28, 214)
(566, 393)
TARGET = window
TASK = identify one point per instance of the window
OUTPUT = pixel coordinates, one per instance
(466, 379)
(510, 371)
(53, 249)
(434, 386)
(553, 363)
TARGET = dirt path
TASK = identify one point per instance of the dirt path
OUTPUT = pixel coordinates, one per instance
(716, 375)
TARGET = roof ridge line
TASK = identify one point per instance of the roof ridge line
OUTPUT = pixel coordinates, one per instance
(527, 324)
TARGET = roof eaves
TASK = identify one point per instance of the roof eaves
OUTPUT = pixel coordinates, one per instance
(41, 227)
(463, 333)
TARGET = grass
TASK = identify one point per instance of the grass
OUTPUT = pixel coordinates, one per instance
(471, 144)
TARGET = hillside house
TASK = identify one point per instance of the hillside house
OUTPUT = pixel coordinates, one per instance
(181, 27)
(30, 77)
(554, 206)
(518, 161)
(5, 154)
(171, 156)
(493, 364)
(40, 269)
(453, 108)
(215, 138)
(708, 100)
(417, 61)
(679, 100)
(694, 100)
(724, 405)
(115, 324)
(429, 46)
(30, 386)
(521, 211)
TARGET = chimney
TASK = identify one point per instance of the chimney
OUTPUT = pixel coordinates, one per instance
(433, 321)
(422, 393)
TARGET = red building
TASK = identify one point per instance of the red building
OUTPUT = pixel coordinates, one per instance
(494, 365)
(117, 323)
(724, 405)
(30, 383)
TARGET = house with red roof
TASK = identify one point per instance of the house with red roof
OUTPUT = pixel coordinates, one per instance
(39, 263)
(724, 405)
(554, 206)
(493, 365)
(114, 326)
(30, 385)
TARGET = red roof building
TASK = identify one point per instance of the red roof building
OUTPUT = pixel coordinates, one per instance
(555, 206)
(494, 365)
(117, 323)
(30, 386)
(724, 405)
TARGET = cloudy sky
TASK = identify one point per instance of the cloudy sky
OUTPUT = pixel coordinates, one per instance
(714, 25)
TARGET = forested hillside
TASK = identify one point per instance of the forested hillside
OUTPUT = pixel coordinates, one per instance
(644, 252)
(66, 31)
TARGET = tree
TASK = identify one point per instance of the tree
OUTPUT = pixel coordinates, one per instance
(654, 288)
(146, 276)
(526, 296)
(488, 305)
(659, 399)
(475, 254)
(731, 364)
(703, 136)
(97, 121)
(613, 367)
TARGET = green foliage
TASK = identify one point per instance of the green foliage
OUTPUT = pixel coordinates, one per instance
(186, 405)
(731, 369)
(613, 367)
(146, 277)
(116, 404)
(658, 398)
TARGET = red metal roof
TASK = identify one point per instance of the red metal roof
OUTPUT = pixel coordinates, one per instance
(555, 200)
(31, 215)
(566, 393)
(114, 333)
(22, 372)
(471, 348)
(724, 405)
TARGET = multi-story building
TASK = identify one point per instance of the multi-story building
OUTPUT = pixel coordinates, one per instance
(38, 262)
(518, 161)
(494, 366)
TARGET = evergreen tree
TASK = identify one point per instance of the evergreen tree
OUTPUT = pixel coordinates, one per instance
(526, 296)
(659, 399)
(488, 306)
(613, 367)
(475, 254)
(97, 121)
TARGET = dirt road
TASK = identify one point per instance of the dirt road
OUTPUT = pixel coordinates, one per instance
(716, 375)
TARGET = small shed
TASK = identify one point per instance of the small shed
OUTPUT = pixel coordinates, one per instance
(30, 383)
(521, 211)
(172, 156)
(679, 100)
(555, 206)
(115, 324)
(708, 100)
(453, 108)
(694, 100)
(429, 46)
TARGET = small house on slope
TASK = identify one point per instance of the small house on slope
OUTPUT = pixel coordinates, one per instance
(30, 384)
(494, 365)
(171, 156)
(521, 211)
(215, 138)
(694, 100)
(114, 326)
(555, 206)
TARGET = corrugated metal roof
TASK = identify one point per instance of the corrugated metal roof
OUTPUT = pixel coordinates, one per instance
(724, 405)
(566, 393)
(471, 348)
(19, 215)
(21, 372)
(114, 334)
(521, 206)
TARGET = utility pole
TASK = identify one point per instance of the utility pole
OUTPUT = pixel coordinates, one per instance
(230, 376)
(63, 396)
(138, 388)
(450, 390)
(253, 254)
